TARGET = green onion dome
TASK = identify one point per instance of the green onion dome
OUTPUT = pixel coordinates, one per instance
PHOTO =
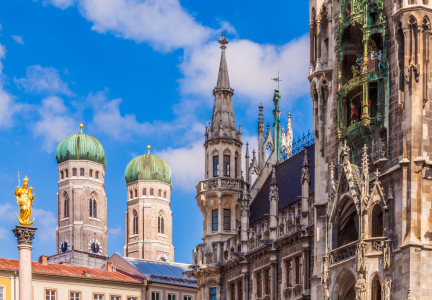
(148, 167)
(80, 146)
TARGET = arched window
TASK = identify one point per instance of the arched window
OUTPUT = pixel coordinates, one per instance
(97, 175)
(66, 205)
(91, 173)
(81, 172)
(135, 222)
(347, 224)
(164, 194)
(376, 288)
(151, 192)
(160, 223)
(131, 194)
(67, 172)
(144, 192)
(61, 174)
(93, 210)
(377, 221)
(160, 193)
(74, 173)
(136, 193)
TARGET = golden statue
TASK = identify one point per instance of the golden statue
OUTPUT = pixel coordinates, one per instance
(25, 198)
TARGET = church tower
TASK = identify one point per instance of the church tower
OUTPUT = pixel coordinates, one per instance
(81, 234)
(148, 215)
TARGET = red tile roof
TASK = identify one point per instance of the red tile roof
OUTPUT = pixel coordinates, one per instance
(73, 271)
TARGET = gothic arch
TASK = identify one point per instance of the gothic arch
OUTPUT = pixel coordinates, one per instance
(93, 211)
(376, 220)
(227, 151)
(66, 205)
(344, 287)
(161, 222)
(135, 222)
(323, 10)
(215, 152)
(376, 284)
(345, 222)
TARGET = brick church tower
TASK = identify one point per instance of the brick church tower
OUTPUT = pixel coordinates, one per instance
(148, 215)
(81, 234)
(370, 84)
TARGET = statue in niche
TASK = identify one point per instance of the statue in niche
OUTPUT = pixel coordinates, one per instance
(380, 60)
(361, 288)
(354, 113)
(355, 71)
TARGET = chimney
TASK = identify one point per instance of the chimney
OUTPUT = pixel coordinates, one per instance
(64, 263)
(43, 259)
(109, 266)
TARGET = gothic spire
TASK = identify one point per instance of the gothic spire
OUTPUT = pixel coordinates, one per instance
(223, 120)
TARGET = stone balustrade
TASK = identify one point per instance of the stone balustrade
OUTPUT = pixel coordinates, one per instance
(220, 183)
(344, 252)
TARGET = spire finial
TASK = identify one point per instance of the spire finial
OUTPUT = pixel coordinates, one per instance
(148, 148)
(223, 41)
(81, 126)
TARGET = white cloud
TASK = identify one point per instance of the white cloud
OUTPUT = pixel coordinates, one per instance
(187, 165)
(5, 233)
(62, 4)
(7, 107)
(250, 68)
(7, 212)
(164, 24)
(18, 39)
(43, 80)
(55, 122)
(46, 223)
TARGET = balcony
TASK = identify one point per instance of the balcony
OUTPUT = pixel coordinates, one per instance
(343, 253)
(221, 183)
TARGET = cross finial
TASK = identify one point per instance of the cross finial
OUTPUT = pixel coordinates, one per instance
(345, 147)
(223, 41)
(376, 174)
(277, 80)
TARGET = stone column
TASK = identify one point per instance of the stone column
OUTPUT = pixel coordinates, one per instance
(318, 43)
(25, 235)
(220, 213)
(312, 46)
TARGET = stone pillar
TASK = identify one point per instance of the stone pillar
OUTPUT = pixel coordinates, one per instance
(25, 235)
(312, 47)
(318, 43)
(220, 213)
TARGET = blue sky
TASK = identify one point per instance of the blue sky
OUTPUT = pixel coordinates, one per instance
(136, 73)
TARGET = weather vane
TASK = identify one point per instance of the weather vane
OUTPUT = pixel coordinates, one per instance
(277, 80)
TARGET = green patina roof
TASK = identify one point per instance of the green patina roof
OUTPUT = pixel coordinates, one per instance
(80, 146)
(148, 167)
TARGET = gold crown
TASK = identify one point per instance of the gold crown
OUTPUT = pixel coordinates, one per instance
(25, 179)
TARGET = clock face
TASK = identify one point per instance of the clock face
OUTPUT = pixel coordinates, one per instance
(94, 246)
(64, 246)
(162, 257)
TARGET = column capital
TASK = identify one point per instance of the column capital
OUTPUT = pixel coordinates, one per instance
(24, 234)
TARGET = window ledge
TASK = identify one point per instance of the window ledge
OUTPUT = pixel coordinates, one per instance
(64, 219)
(162, 235)
(94, 219)
(133, 235)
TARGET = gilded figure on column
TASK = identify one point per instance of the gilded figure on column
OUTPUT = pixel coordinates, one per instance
(25, 199)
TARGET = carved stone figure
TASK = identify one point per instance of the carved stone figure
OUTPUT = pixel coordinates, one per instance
(326, 293)
(361, 257)
(25, 199)
(387, 255)
(387, 288)
(361, 288)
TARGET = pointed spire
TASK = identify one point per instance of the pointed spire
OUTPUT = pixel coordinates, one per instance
(223, 78)
(223, 121)
(289, 137)
(247, 150)
(273, 180)
(260, 120)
